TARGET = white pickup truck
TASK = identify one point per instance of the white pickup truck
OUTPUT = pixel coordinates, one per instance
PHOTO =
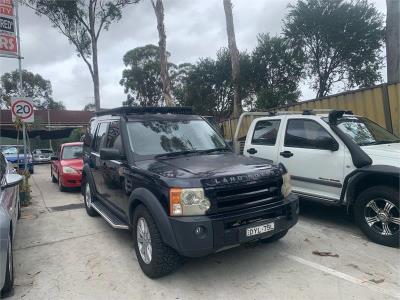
(336, 158)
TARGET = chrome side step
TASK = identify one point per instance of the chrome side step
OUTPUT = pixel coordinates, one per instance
(107, 215)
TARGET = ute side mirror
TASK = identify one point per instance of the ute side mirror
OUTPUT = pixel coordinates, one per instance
(110, 154)
(327, 143)
(11, 180)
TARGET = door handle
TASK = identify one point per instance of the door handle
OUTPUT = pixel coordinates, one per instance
(251, 151)
(286, 154)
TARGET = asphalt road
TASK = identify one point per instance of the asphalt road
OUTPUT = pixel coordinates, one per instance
(61, 253)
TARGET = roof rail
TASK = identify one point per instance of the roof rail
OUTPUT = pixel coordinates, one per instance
(128, 110)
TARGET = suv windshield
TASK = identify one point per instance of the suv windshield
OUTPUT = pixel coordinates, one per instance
(72, 152)
(365, 132)
(158, 137)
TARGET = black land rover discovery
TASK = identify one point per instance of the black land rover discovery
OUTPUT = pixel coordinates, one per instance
(167, 175)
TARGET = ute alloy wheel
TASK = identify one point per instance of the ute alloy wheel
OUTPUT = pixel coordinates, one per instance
(144, 240)
(382, 216)
(88, 199)
(377, 212)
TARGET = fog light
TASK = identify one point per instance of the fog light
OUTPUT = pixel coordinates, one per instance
(199, 230)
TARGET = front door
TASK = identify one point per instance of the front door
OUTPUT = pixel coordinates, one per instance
(113, 170)
(95, 161)
(315, 171)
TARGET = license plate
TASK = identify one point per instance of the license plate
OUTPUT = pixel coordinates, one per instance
(260, 229)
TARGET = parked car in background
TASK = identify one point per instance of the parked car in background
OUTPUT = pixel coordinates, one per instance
(66, 167)
(9, 213)
(42, 155)
(337, 159)
(169, 176)
(15, 155)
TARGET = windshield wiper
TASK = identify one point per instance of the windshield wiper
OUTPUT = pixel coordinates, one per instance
(215, 150)
(172, 154)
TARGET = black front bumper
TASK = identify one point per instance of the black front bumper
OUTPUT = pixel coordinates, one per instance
(219, 231)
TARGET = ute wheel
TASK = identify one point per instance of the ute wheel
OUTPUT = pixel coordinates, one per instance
(155, 258)
(88, 199)
(376, 211)
(275, 237)
(9, 278)
(53, 178)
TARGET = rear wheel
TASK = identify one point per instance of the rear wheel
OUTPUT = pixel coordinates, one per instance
(88, 199)
(9, 278)
(377, 213)
(155, 258)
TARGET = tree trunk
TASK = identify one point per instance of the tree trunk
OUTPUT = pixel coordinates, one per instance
(95, 73)
(162, 44)
(393, 40)
(237, 101)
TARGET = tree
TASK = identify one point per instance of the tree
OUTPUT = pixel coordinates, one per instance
(89, 107)
(162, 44)
(234, 53)
(341, 40)
(33, 86)
(82, 21)
(277, 70)
(141, 79)
(393, 40)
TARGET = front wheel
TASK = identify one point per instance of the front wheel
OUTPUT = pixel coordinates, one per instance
(377, 213)
(88, 199)
(155, 258)
(60, 185)
(53, 178)
(9, 278)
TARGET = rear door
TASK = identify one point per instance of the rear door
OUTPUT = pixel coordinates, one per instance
(95, 161)
(315, 171)
(263, 138)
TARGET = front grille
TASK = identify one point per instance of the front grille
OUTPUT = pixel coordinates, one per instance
(244, 195)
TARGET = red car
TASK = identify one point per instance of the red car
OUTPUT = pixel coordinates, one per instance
(66, 168)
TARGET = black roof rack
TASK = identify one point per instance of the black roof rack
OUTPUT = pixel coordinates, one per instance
(127, 110)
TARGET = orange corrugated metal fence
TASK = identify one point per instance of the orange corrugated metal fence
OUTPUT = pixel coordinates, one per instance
(379, 103)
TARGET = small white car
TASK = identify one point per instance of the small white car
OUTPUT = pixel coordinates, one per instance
(337, 158)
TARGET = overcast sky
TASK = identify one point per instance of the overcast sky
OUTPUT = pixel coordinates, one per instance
(195, 28)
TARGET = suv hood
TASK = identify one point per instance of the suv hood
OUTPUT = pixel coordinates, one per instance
(385, 154)
(206, 166)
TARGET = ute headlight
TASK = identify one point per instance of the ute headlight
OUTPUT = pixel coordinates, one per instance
(69, 170)
(188, 202)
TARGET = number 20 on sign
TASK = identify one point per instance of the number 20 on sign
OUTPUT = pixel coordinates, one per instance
(22, 108)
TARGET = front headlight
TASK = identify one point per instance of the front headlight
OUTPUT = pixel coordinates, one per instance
(69, 170)
(286, 186)
(188, 202)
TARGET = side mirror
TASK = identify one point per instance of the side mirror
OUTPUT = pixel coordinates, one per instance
(109, 154)
(53, 157)
(11, 180)
(327, 143)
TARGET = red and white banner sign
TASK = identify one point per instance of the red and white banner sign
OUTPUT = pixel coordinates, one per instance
(8, 40)
(6, 8)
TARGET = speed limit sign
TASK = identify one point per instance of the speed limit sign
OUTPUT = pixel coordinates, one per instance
(22, 108)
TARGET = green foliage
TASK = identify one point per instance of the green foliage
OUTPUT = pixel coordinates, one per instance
(33, 85)
(341, 41)
(277, 70)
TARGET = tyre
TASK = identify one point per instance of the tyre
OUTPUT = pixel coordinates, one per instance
(88, 198)
(53, 178)
(275, 237)
(60, 185)
(376, 211)
(155, 258)
(9, 278)
(31, 171)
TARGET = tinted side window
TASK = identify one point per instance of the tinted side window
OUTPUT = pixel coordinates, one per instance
(305, 134)
(114, 137)
(265, 132)
(100, 137)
